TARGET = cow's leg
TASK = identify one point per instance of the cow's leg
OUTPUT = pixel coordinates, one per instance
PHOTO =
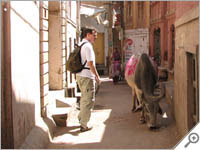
(139, 97)
(133, 100)
(142, 117)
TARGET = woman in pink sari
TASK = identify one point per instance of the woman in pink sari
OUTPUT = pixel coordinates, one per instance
(116, 65)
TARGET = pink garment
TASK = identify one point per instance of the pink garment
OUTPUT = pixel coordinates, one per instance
(116, 68)
(131, 65)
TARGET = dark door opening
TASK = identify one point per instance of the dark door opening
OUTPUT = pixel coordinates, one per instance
(192, 90)
(157, 46)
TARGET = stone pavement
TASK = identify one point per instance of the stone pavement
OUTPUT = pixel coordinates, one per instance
(115, 126)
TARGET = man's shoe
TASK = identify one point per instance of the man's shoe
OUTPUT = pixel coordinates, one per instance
(82, 129)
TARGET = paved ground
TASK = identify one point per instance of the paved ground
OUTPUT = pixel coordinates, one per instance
(115, 126)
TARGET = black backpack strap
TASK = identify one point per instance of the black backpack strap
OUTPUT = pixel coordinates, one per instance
(84, 66)
(82, 44)
(86, 60)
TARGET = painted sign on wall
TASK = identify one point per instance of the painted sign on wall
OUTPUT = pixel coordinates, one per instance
(137, 42)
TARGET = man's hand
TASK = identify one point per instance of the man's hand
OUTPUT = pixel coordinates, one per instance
(94, 71)
(98, 80)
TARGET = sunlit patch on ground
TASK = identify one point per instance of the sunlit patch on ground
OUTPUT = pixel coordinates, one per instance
(106, 79)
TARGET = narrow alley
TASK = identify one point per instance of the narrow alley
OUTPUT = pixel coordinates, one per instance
(135, 44)
(115, 126)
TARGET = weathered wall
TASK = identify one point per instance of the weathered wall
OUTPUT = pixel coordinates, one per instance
(163, 17)
(136, 20)
(55, 52)
(184, 7)
(187, 38)
(25, 67)
(137, 24)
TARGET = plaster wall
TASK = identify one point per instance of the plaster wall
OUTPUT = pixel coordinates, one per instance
(55, 52)
(25, 68)
(163, 17)
(187, 38)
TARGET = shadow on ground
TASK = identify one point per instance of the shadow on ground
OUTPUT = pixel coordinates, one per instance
(116, 127)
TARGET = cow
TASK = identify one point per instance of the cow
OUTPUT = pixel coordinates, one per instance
(129, 73)
(143, 81)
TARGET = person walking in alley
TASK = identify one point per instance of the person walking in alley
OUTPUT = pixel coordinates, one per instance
(86, 78)
(116, 65)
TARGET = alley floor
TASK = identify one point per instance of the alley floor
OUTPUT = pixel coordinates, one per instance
(115, 126)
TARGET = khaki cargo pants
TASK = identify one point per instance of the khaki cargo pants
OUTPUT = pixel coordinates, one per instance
(87, 87)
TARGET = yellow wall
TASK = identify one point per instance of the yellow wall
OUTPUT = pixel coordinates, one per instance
(99, 49)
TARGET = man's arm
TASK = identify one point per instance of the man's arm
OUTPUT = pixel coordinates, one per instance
(94, 71)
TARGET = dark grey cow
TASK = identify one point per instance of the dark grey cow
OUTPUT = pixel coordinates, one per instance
(148, 92)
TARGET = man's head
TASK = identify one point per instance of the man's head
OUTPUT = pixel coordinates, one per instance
(89, 34)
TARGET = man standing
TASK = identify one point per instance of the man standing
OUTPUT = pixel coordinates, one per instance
(86, 78)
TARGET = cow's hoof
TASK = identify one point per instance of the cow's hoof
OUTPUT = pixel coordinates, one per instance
(142, 120)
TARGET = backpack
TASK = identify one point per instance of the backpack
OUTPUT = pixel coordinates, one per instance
(74, 64)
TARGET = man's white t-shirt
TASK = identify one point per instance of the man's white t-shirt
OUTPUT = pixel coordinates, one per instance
(87, 53)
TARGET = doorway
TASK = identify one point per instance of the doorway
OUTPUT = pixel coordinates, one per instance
(99, 49)
(192, 89)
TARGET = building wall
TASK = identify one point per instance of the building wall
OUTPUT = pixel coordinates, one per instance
(170, 16)
(184, 7)
(137, 24)
(133, 17)
(187, 39)
(162, 17)
(55, 47)
(25, 73)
